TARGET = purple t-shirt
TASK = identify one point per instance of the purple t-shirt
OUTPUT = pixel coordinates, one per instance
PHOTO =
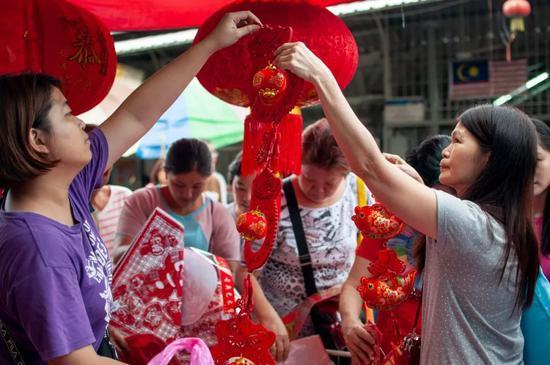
(55, 292)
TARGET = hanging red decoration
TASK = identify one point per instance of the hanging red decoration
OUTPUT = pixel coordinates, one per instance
(243, 74)
(241, 341)
(270, 83)
(516, 10)
(63, 40)
(252, 225)
(388, 285)
(375, 221)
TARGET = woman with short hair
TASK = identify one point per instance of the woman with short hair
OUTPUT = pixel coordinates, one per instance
(55, 292)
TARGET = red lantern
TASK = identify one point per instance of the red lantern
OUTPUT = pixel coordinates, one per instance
(252, 225)
(63, 40)
(228, 71)
(242, 74)
(270, 83)
(516, 10)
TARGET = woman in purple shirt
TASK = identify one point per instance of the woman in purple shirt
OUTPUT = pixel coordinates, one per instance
(55, 294)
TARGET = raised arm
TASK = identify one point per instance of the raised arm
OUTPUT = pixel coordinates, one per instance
(139, 112)
(410, 200)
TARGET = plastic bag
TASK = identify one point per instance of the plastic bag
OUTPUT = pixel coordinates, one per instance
(200, 354)
(307, 350)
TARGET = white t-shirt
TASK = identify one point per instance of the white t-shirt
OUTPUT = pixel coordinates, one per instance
(332, 239)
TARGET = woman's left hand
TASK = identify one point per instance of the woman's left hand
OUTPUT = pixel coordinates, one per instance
(298, 59)
(403, 166)
(232, 27)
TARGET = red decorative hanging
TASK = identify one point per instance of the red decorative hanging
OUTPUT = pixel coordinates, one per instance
(60, 39)
(389, 285)
(243, 74)
(375, 221)
(516, 10)
(270, 84)
(241, 341)
(252, 225)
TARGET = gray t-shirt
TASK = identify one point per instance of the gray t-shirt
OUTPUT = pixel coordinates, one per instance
(468, 314)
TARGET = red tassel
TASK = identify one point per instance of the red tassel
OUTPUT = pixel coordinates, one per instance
(254, 132)
(290, 129)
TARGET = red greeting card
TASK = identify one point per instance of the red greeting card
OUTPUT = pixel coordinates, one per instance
(148, 288)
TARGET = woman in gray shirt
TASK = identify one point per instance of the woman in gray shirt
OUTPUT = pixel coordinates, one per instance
(482, 258)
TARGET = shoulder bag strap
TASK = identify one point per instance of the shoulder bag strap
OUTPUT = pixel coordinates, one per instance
(10, 345)
(298, 228)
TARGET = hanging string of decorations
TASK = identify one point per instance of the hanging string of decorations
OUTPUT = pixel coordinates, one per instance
(244, 75)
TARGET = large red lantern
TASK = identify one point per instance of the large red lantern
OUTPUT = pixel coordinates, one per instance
(60, 39)
(516, 10)
(227, 73)
(243, 75)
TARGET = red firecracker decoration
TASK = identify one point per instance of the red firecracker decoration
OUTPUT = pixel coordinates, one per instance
(516, 10)
(63, 40)
(252, 225)
(243, 74)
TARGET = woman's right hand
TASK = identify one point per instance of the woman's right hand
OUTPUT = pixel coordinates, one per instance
(281, 346)
(360, 342)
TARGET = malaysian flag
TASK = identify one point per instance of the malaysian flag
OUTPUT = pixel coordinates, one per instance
(483, 79)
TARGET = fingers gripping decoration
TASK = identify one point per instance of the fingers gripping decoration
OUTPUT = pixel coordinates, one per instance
(389, 286)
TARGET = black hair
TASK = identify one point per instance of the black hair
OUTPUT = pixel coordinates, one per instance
(425, 160)
(426, 156)
(187, 155)
(504, 188)
(543, 134)
(234, 168)
(25, 103)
